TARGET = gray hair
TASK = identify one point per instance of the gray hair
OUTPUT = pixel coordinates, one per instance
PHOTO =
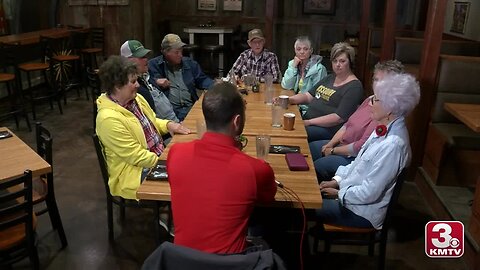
(304, 40)
(398, 93)
(343, 47)
(388, 66)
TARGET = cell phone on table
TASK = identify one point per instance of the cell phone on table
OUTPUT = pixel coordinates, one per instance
(5, 134)
(159, 172)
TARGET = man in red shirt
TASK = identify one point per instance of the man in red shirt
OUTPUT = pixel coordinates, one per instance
(215, 185)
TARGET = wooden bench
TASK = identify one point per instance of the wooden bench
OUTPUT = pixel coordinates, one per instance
(452, 149)
(408, 50)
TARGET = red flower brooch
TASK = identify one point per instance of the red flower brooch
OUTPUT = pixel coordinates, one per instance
(381, 130)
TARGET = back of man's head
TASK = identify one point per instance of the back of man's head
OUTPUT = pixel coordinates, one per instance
(220, 105)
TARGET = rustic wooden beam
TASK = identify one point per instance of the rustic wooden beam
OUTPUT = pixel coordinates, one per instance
(363, 40)
(388, 43)
(270, 11)
(427, 76)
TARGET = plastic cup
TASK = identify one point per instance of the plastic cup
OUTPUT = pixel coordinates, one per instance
(283, 100)
(288, 121)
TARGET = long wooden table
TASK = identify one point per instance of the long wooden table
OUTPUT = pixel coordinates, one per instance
(469, 114)
(18, 157)
(304, 183)
(34, 37)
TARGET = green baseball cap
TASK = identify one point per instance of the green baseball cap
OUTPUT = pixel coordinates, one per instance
(133, 48)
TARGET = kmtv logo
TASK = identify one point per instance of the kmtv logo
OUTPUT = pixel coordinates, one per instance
(444, 239)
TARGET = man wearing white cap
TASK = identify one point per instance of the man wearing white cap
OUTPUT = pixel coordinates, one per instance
(257, 60)
(178, 76)
(136, 52)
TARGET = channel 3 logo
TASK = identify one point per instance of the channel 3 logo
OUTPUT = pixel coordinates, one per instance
(444, 239)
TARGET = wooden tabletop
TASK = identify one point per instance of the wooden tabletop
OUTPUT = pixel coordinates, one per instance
(304, 183)
(34, 37)
(469, 114)
(16, 157)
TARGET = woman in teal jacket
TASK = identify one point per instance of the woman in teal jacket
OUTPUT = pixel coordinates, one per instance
(304, 70)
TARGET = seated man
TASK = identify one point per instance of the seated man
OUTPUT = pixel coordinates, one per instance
(257, 60)
(178, 76)
(215, 185)
(157, 100)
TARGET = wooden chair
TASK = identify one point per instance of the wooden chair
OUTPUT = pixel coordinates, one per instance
(16, 107)
(17, 222)
(344, 235)
(93, 82)
(121, 202)
(43, 187)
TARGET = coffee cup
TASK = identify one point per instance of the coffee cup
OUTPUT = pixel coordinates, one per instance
(288, 121)
(283, 100)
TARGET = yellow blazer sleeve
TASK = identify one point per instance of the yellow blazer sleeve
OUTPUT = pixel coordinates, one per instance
(127, 143)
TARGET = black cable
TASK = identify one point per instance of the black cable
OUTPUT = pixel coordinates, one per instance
(290, 194)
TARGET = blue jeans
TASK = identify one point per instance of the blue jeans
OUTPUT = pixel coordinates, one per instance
(334, 213)
(315, 133)
(181, 112)
(326, 166)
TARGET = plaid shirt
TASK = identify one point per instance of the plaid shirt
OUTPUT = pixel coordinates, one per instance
(247, 64)
(154, 140)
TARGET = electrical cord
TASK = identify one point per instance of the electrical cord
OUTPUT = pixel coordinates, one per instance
(288, 192)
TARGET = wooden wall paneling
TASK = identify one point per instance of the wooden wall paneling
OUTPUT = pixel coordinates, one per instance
(363, 41)
(388, 43)
(427, 76)
(270, 13)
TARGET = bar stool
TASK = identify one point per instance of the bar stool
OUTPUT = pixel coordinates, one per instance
(63, 64)
(191, 49)
(26, 59)
(213, 50)
(15, 103)
(96, 46)
(79, 40)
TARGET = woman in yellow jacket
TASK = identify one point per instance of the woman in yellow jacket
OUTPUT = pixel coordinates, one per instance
(127, 127)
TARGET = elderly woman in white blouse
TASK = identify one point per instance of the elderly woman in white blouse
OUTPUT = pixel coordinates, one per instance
(364, 187)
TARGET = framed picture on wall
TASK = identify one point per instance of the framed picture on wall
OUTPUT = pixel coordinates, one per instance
(232, 5)
(319, 7)
(460, 15)
(207, 5)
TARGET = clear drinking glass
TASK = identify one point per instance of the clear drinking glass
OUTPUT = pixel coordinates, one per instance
(277, 114)
(268, 89)
(263, 146)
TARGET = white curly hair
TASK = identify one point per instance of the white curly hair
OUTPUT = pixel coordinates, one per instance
(398, 93)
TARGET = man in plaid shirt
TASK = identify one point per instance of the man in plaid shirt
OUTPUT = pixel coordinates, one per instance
(257, 60)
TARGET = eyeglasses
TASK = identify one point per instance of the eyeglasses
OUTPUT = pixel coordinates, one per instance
(373, 99)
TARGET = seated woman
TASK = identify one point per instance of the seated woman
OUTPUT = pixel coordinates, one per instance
(127, 127)
(365, 186)
(342, 149)
(333, 99)
(305, 69)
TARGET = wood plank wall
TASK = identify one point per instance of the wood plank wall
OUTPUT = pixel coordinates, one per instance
(120, 22)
